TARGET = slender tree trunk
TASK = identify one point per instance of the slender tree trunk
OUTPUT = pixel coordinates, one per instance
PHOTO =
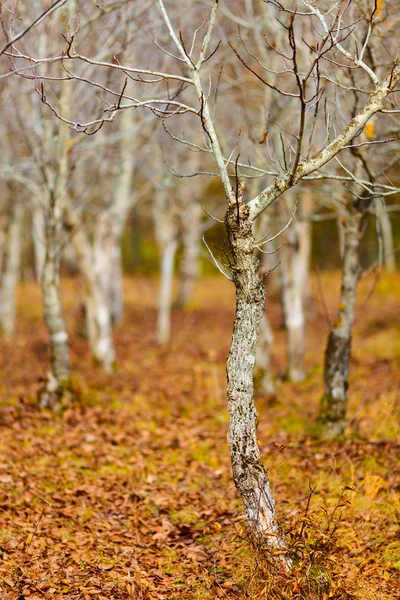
(108, 261)
(53, 389)
(191, 245)
(166, 231)
(385, 225)
(250, 477)
(39, 240)
(292, 279)
(107, 242)
(98, 318)
(304, 232)
(11, 270)
(262, 370)
(165, 297)
(332, 414)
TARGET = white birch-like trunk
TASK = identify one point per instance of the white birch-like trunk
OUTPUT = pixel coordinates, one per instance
(53, 311)
(52, 391)
(108, 261)
(165, 294)
(249, 474)
(293, 279)
(189, 270)
(385, 227)
(39, 240)
(332, 414)
(110, 226)
(304, 232)
(98, 318)
(166, 232)
(11, 267)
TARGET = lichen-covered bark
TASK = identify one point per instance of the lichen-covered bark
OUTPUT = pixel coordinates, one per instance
(332, 414)
(53, 312)
(250, 477)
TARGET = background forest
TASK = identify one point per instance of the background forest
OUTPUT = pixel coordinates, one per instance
(169, 170)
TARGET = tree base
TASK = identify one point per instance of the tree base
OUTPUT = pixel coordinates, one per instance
(53, 394)
(331, 422)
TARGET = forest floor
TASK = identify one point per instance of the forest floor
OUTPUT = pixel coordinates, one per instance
(128, 494)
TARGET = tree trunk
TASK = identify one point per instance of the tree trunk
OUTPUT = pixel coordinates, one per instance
(165, 297)
(166, 231)
(262, 370)
(98, 319)
(332, 414)
(293, 274)
(108, 261)
(56, 179)
(250, 477)
(11, 267)
(190, 260)
(385, 226)
(110, 226)
(304, 232)
(53, 315)
(38, 238)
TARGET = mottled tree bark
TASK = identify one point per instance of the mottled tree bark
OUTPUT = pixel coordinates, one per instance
(53, 312)
(332, 414)
(11, 267)
(57, 174)
(250, 477)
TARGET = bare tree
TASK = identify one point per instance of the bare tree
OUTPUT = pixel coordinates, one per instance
(337, 42)
(353, 209)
